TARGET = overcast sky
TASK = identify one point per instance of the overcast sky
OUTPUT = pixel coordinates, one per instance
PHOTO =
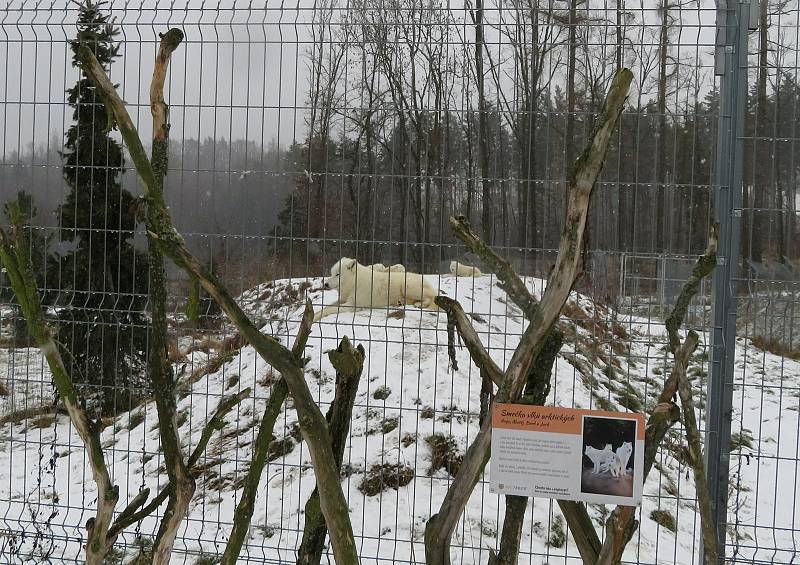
(241, 73)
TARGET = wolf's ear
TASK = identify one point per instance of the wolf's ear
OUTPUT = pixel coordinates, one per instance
(348, 263)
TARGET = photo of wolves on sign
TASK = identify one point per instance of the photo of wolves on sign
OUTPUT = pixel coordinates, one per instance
(608, 447)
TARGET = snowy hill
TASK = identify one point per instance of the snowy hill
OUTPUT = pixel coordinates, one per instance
(412, 419)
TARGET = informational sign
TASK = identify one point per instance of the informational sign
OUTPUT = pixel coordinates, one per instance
(567, 453)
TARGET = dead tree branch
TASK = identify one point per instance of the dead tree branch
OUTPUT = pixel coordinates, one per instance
(440, 527)
(695, 443)
(312, 422)
(246, 506)
(481, 358)
(14, 256)
(348, 362)
(516, 505)
(575, 513)
(702, 268)
(622, 524)
(182, 484)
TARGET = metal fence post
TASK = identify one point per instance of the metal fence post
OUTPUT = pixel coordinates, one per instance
(731, 65)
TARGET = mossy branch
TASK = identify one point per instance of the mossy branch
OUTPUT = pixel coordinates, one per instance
(441, 526)
(244, 509)
(703, 267)
(349, 363)
(160, 371)
(621, 525)
(14, 256)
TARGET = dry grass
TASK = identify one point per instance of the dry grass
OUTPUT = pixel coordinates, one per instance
(776, 347)
(444, 454)
(174, 353)
(382, 477)
(19, 415)
(206, 344)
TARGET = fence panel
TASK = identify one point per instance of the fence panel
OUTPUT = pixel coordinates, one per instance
(305, 132)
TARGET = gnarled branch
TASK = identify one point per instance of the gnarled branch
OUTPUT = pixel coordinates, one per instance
(312, 422)
(440, 527)
(14, 256)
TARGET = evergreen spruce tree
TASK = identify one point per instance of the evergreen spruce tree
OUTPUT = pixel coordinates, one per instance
(102, 323)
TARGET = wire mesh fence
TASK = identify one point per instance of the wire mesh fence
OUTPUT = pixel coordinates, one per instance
(308, 132)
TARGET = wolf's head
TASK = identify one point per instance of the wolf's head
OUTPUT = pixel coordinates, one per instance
(341, 267)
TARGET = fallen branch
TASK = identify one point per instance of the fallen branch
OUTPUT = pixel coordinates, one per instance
(312, 422)
(348, 362)
(14, 256)
(440, 527)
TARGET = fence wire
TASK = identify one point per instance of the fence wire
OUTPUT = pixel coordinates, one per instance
(302, 133)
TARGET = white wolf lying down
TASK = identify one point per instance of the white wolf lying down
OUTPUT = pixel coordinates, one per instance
(462, 270)
(361, 287)
(380, 267)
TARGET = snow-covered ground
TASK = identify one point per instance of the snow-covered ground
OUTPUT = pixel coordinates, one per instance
(408, 392)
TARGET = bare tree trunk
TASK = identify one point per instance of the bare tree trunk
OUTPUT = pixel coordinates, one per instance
(487, 221)
(569, 129)
(161, 376)
(619, 47)
(348, 362)
(470, 168)
(661, 239)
